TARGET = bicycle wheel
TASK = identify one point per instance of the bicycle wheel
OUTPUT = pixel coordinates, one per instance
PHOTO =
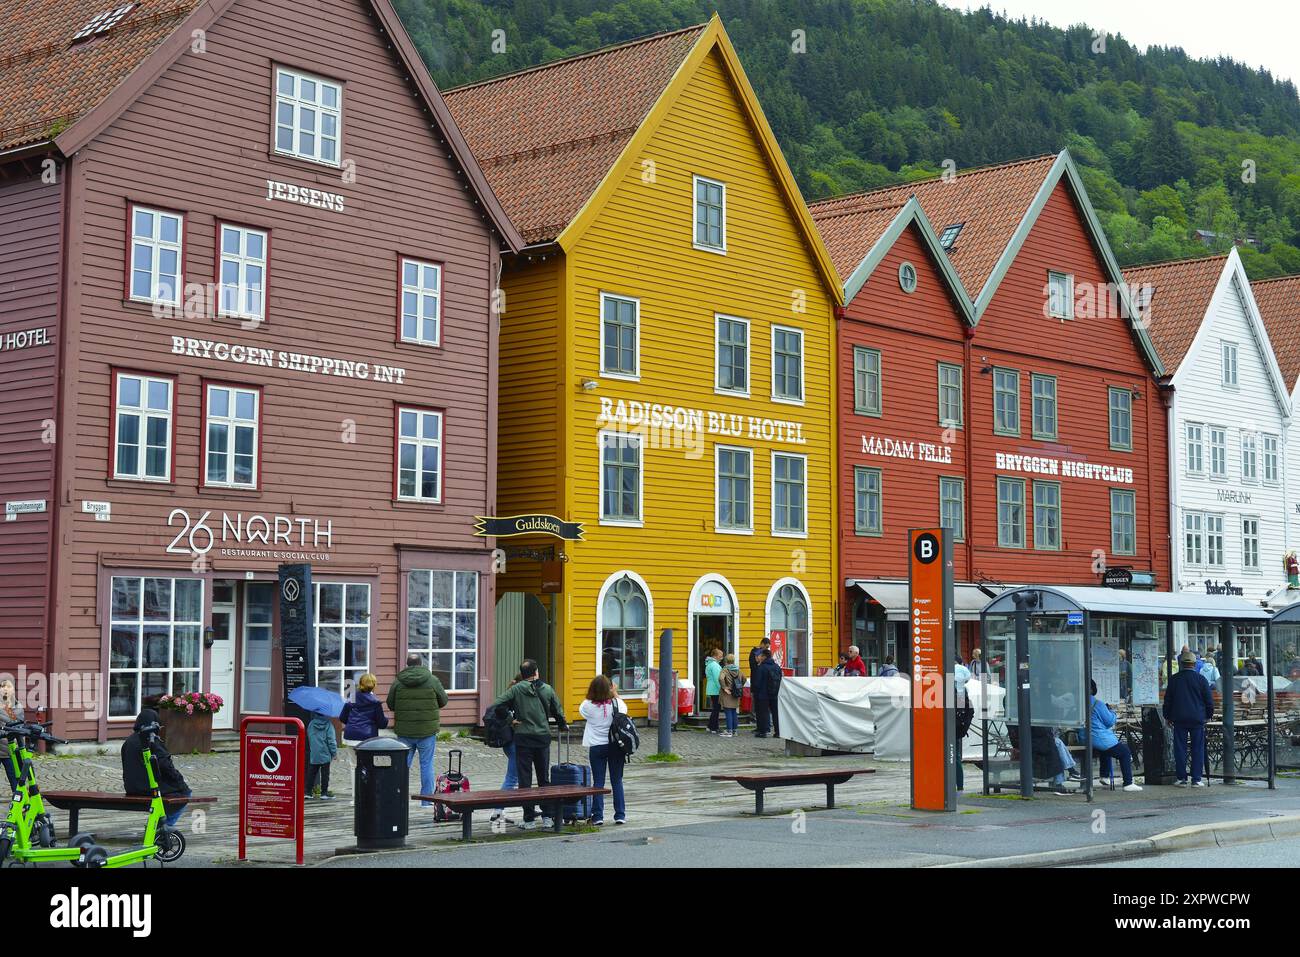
(171, 845)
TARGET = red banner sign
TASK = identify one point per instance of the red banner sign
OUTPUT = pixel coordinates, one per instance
(778, 647)
(271, 783)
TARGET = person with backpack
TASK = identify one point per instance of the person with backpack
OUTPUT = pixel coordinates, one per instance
(322, 745)
(416, 699)
(733, 689)
(363, 717)
(535, 704)
(713, 686)
(499, 722)
(599, 709)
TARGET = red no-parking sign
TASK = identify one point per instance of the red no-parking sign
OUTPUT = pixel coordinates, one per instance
(271, 783)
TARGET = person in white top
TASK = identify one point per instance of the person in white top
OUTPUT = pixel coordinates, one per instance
(598, 710)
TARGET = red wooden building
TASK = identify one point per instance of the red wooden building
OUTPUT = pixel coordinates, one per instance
(991, 381)
(248, 263)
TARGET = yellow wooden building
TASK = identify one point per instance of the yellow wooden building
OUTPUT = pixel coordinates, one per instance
(667, 341)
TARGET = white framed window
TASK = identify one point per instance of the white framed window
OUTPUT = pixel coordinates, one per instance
(1195, 435)
(624, 615)
(622, 479)
(142, 427)
(710, 215)
(1250, 543)
(1214, 540)
(1121, 419)
(1006, 402)
(868, 501)
(1218, 452)
(789, 494)
(1271, 467)
(157, 256)
(155, 640)
(788, 610)
(950, 397)
(442, 625)
(787, 364)
(1229, 352)
(867, 391)
(308, 117)
(342, 634)
(731, 347)
(620, 336)
(1047, 516)
(419, 455)
(1123, 522)
(734, 489)
(949, 235)
(421, 302)
(1043, 388)
(1011, 513)
(231, 436)
(1194, 538)
(1060, 295)
(244, 253)
(1249, 457)
(952, 506)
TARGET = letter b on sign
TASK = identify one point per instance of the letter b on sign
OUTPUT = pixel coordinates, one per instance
(926, 548)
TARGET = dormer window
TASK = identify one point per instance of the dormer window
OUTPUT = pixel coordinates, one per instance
(949, 235)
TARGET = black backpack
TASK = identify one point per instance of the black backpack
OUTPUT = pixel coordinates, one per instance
(623, 737)
(498, 722)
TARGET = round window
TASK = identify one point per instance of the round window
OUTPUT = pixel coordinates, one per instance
(907, 277)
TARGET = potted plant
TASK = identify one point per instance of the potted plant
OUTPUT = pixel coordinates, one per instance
(187, 720)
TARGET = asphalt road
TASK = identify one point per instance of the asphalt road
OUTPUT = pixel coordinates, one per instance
(1284, 853)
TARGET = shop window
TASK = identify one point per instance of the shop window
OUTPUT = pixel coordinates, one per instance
(625, 634)
(259, 611)
(1011, 513)
(1006, 402)
(155, 641)
(342, 634)
(1123, 522)
(421, 303)
(1121, 419)
(419, 455)
(620, 336)
(621, 478)
(952, 506)
(710, 215)
(308, 117)
(789, 494)
(442, 625)
(735, 489)
(231, 436)
(868, 506)
(733, 355)
(242, 272)
(787, 611)
(787, 364)
(157, 249)
(142, 427)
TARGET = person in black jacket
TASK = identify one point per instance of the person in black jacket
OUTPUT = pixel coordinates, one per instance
(764, 645)
(1188, 705)
(134, 777)
(765, 685)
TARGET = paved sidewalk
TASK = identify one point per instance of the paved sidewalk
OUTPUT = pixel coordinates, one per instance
(675, 804)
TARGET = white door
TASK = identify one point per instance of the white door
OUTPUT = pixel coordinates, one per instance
(223, 652)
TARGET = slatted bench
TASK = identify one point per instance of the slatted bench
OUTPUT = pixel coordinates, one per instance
(465, 803)
(74, 802)
(760, 781)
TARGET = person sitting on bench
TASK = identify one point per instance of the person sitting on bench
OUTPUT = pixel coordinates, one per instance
(1107, 743)
(134, 778)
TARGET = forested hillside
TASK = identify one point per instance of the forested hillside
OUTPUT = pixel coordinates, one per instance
(873, 92)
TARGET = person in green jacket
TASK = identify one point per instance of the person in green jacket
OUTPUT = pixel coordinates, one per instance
(535, 704)
(416, 700)
(713, 686)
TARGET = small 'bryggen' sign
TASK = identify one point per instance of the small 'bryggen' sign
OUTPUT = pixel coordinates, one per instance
(491, 526)
(1117, 578)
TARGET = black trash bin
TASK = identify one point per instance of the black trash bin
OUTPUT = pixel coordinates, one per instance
(1157, 748)
(383, 807)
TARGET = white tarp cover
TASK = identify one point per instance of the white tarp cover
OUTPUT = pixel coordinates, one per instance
(829, 713)
(891, 707)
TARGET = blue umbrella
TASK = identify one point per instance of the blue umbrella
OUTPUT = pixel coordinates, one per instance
(317, 700)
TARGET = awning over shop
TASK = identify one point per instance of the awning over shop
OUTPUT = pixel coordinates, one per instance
(968, 600)
(1180, 606)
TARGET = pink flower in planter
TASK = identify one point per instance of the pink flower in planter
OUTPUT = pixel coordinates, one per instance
(189, 709)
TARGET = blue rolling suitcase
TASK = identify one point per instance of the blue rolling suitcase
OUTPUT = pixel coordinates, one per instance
(567, 772)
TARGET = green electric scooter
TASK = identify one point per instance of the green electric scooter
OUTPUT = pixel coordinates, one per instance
(162, 843)
(27, 834)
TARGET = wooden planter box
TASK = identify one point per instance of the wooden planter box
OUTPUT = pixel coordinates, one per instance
(186, 733)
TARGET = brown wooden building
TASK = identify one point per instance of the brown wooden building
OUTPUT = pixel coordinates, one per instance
(247, 264)
(990, 381)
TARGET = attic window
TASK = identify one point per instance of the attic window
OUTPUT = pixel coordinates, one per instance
(949, 235)
(102, 23)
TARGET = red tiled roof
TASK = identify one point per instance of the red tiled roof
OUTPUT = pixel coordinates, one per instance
(546, 137)
(47, 82)
(1180, 297)
(1279, 305)
(990, 201)
(849, 234)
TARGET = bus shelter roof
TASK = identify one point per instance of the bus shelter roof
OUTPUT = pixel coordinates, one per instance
(1129, 603)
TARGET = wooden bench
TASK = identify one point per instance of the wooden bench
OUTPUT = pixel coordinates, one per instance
(75, 801)
(760, 781)
(465, 803)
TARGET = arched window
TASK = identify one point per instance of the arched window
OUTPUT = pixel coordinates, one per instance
(625, 634)
(788, 612)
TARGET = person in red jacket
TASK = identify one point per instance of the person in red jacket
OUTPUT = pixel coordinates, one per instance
(855, 667)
